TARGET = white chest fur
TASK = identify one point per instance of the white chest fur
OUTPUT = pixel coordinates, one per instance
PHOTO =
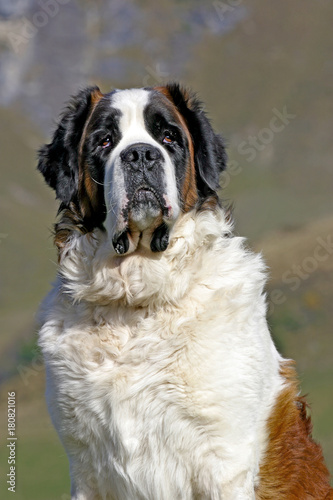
(162, 373)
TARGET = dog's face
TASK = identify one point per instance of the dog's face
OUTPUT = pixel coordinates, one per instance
(132, 161)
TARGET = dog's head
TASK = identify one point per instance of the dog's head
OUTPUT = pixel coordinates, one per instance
(132, 161)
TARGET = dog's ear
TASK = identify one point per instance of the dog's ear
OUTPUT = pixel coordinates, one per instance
(58, 161)
(209, 152)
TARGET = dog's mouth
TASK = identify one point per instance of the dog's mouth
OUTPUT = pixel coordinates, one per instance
(145, 207)
(145, 199)
(144, 214)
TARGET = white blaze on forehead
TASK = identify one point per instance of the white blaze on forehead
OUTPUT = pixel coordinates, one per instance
(131, 103)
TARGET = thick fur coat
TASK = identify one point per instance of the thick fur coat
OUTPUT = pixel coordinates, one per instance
(163, 381)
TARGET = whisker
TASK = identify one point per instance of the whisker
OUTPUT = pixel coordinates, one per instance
(112, 207)
(101, 183)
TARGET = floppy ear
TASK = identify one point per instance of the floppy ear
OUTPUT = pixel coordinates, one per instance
(58, 161)
(209, 152)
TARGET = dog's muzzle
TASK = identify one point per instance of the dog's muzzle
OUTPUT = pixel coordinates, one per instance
(146, 208)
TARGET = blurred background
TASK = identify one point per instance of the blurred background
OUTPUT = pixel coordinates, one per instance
(265, 73)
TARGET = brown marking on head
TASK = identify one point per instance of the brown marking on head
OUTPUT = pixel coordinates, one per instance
(187, 95)
(88, 188)
(189, 188)
(72, 219)
(293, 467)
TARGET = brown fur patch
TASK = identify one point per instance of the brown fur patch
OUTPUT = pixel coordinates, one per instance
(73, 218)
(88, 189)
(87, 186)
(70, 221)
(210, 203)
(189, 189)
(187, 95)
(293, 467)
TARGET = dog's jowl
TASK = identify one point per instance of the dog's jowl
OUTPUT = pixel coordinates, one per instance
(162, 379)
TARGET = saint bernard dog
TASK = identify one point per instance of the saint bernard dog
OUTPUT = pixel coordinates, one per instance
(163, 381)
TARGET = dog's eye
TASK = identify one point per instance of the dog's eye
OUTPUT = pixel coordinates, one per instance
(106, 143)
(168, 138)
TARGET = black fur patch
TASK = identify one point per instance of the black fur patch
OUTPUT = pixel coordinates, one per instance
(209, 151)
(160, 240)
(160, 120)
(58, 161)
(121, 243)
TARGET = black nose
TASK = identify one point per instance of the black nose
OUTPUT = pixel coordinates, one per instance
(141, 155)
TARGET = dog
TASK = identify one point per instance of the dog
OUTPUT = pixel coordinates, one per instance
(163, 381)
